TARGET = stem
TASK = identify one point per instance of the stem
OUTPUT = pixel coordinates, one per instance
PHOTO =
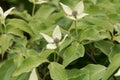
(57, 53)
(90, 54)
(33, 10)
(114, 78)
(46, 75)
(112, 24)
(4, 27)
(43, 50)
(1, 30)
(54, 57)
(91, 57)
(76, 28)
(57, 57)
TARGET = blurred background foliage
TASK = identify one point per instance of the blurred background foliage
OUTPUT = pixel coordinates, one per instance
(103, 15)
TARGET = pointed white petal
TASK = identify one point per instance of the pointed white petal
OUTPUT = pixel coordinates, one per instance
(1, 11)
(47, 38)
(40, 1)
(71, 17)
(33, 75)
(79, 7)
(57, 33)
(81, 15)
(63, 39)
(117, 73)
(66, 9)
(32, 1)
(8, 11)
(51, 46)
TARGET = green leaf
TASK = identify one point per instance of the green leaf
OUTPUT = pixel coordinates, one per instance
(7, 69)
(104, 46)
(20, 24)
(5, 41)
(54, 18)
(94, 1)
(30, 52)
(73, 73)
(115, 50)
(114, 65)
(93, 35)
(55, 2)
(67, 22)
(117, 38)
(45, 11)
(15, 31)
(19, 46)
(37, 25)
(110, 9)
(23, 76)
(65, 44)
(33, 75)
(18, 59)
(57, 71)
(117, 27)
(46, 53)
(21, 41)
(99, 21)
(24, 15)
(89, 72)
(29, 63)
(107, 47)
(72, 53)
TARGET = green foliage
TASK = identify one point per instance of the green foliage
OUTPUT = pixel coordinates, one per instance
(89, 48)
(89, 72)
(7, 71)
(56, 70)
(5, 41)
(115, 63)
(20, 25)
(72, 53)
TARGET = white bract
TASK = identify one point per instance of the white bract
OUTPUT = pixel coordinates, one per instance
(55, 40)
(3, 14)
(38, 1)
(33, 75)
(117, 73)
(76, 13)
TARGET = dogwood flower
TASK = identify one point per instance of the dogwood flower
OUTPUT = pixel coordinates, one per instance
(38, 1)
(3, 14)
(117, 73)
(33, 75)
(55, 40)
(76, 13)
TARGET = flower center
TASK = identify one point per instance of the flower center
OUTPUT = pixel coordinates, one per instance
(74, 13)
(56, 40)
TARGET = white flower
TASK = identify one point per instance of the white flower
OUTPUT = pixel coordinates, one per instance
(117, 73)
(38, 1)
(76, 13)
(3, 14)
(33, 75)
(55, 39)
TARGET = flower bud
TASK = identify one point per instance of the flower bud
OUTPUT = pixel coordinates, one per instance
(56, 40)
(74, 13)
